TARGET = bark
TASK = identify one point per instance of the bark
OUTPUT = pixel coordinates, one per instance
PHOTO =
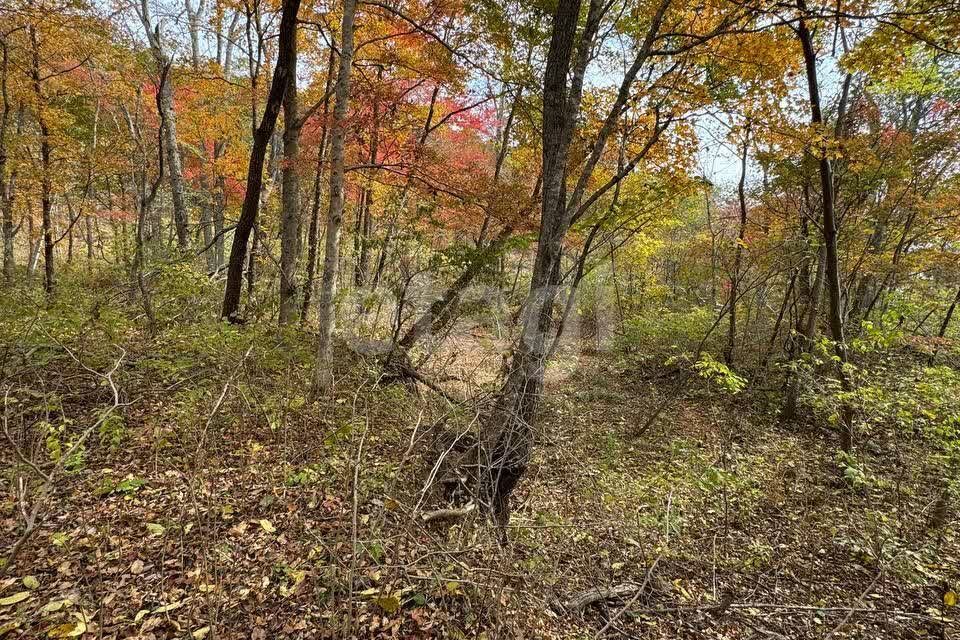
(729, 351)
(261, 140)
(506, 444)
(323, 376)
(832, 267)
(174, 166)
(506, 451)
(290, 196)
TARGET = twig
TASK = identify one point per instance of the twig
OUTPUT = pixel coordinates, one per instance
(646, 581)
(859, 599)
(353, 556)
(30, 518)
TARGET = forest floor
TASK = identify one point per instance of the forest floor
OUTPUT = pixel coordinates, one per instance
(222, 505)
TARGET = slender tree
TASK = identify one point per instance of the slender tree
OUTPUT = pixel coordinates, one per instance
(290, 195)
(832, 266)
(728, 352)
(261, 140)
(314, 230)
(323, 378)
(174, 165)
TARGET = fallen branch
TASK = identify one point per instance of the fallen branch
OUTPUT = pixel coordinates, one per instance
(746, 606)
(646, 581)
(584, 599)
(448, 514)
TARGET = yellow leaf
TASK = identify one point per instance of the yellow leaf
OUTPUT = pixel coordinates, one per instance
(268, 526)
(390, 604)
(69, 630)
(8, 627)
(170, 607)
(950, 598)
(14, 599)
(201, 633)
(53, 606)
(30, 582)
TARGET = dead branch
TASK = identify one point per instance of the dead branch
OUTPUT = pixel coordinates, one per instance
(448, 514)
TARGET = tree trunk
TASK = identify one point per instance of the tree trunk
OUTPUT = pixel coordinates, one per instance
(290, 197)
(365, 228)
(314, 232)
(261, 139)
(832, 268)
(506, 450)
(946, 319)
(34, 247)
(46, 201)
(8, 179)
(729, 351)
(174, 166)
(945, 325)
(323, 379)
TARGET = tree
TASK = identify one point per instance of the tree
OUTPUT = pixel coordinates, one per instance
(251, 200)
(323, 376)
(831, 256)
(290, 194)
(174, 166)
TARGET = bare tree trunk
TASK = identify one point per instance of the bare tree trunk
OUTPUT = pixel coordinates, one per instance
(832, 271)
(365, 226)
(34, 247)
(174, 166)
(507, 450)
(946, 319)
(251, 200)
(323, 378)
(290, 197)
(945, 325)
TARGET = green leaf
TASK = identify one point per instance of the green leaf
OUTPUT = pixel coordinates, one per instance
(30, 582)
(156, 530)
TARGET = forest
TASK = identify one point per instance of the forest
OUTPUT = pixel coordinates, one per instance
(570, 319)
